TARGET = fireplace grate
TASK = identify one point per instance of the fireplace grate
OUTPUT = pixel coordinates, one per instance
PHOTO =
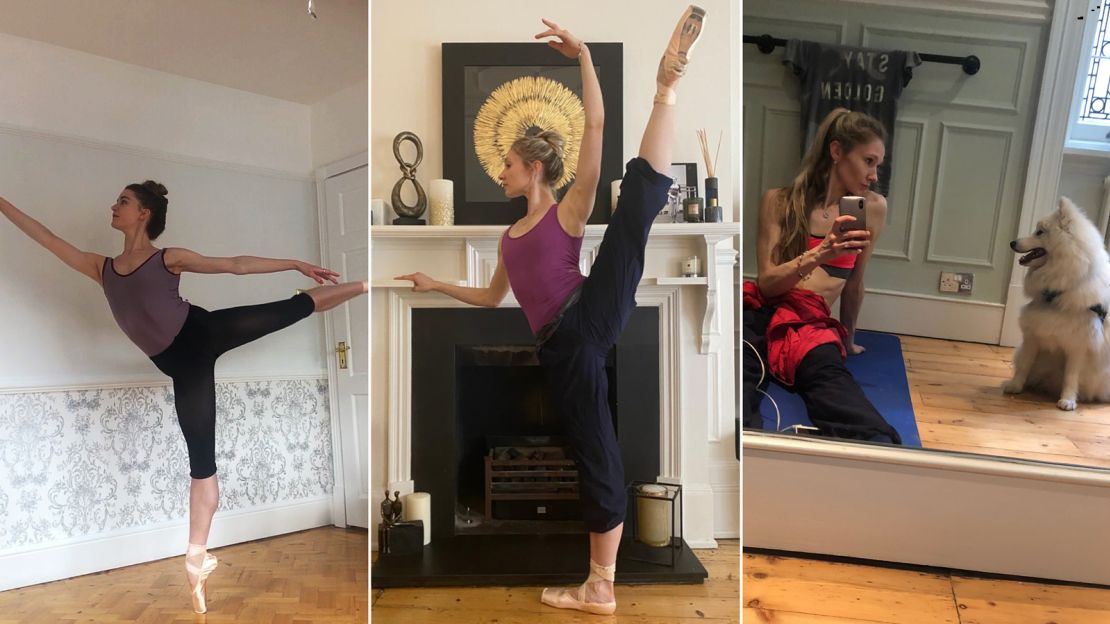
(535, 474)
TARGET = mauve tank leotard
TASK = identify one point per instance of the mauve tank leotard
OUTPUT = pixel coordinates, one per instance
(542, 265)
(146, 303)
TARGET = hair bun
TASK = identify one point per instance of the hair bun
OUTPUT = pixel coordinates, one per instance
(555, 140)
(156, 188)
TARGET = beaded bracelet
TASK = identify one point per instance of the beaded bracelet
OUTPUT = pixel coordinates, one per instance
(798, 268)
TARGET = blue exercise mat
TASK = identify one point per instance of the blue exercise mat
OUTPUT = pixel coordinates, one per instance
(880, 371)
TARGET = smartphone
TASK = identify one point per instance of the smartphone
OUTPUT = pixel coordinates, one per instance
(853, 205)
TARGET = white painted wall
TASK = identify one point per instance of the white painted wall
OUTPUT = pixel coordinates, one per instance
(237, 167)
(68, 93)
(339, 124)
(407, 77)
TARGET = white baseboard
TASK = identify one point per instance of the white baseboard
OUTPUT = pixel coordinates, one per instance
(44, 563)
(698, 529)
(1011, 330)
(726, 504)
(931, 317)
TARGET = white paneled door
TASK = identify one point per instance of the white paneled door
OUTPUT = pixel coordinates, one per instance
(347, 238)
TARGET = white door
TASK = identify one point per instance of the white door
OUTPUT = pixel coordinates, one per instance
(347, 246)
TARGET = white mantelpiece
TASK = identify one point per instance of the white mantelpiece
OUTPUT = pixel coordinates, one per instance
(697, 360)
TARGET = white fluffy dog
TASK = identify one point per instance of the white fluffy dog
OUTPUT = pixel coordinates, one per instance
(1064, 349)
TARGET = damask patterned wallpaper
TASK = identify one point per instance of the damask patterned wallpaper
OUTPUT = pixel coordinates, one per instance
(79, 463)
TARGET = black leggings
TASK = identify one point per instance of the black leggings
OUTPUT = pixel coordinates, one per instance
(190, 361)
(834, 401)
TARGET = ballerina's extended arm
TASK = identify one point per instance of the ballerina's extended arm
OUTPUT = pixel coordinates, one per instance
(181, 260)
(83, 262)
(488, 297)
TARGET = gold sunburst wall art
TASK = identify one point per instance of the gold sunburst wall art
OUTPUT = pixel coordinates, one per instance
(528, 105)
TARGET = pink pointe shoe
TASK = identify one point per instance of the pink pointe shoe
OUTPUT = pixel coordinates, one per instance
(200, 598)
(673, 64)
(576, 598)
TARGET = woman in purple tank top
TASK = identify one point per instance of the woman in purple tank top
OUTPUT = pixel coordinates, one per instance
(578, 319)
(181, 339)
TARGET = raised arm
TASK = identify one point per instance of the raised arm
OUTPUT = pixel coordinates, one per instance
(180, 260)
(83, 262)
(851, 300)
(489, 297)
(579, 198)
(775, 279)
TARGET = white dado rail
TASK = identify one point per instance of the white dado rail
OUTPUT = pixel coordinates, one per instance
(467, 255)
(696, 355)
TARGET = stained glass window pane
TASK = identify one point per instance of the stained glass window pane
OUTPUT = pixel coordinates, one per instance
(1096, 97)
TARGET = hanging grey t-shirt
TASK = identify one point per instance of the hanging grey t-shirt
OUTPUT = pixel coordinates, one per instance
(859, 79)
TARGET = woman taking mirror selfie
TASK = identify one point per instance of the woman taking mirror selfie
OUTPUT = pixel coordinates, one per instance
(809, 254)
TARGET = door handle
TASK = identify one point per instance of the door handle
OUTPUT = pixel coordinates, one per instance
(342, 348)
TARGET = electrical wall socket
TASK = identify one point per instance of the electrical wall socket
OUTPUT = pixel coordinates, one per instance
(949, 283)
(960, 283)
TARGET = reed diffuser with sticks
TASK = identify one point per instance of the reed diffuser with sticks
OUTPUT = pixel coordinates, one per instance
(712, 207)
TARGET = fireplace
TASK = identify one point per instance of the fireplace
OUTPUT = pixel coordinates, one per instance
(478, 389)
(682, 433)
(531, 485)
(515, 472)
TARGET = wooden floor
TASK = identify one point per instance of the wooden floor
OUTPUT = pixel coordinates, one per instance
(793, 591)
(957, 399)
(318, 576)
(717, 600)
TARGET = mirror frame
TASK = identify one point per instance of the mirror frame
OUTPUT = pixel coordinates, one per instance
(942, 508)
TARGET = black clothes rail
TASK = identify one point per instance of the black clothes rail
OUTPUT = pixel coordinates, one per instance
(970, 64)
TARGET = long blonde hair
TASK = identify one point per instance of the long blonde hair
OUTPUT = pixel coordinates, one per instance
(850, 129)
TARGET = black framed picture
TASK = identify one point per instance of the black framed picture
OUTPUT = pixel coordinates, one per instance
(491, 90)
(684, 174)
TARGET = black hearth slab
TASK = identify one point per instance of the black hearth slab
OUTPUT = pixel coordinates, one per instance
(506, 560)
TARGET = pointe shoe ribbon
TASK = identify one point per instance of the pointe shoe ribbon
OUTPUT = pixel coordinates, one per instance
(673, 64)
(198, 593)
(576, 598)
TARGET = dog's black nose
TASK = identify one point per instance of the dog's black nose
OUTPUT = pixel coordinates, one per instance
(1013, 245)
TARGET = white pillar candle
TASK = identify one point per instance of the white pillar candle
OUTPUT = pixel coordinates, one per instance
(691, 267)
(441, 202)
(653, 513)
(614, 194)
(418, 506)
(377, 212)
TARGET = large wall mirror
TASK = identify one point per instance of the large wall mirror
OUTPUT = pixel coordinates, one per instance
(959, 156)
(982, 480)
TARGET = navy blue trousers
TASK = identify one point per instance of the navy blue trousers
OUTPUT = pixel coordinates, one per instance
(835, 402)
(190, 361)
(574, 356)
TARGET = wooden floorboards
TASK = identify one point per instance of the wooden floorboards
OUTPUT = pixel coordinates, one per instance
(792, 591)
(318, 576)
(321, 576)
(957, 399)
(717, 600)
